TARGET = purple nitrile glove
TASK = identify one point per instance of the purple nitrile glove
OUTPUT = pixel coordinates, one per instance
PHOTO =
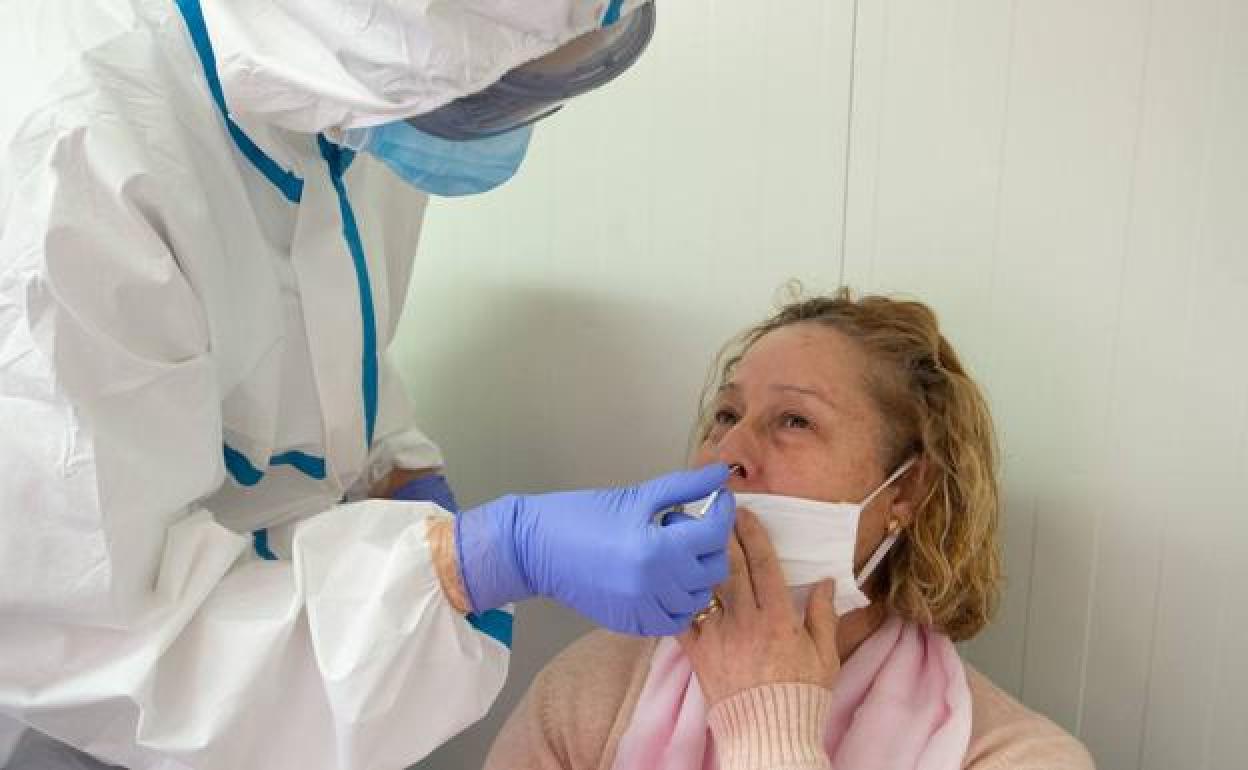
(601, 552)
(433, 488)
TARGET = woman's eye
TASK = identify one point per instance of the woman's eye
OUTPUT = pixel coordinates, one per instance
(725, 417)
(796, 421)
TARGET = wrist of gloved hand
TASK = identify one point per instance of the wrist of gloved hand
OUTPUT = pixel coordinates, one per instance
(440, 535)
(486, 542)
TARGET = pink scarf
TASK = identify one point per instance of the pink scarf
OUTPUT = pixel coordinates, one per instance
(901, 701)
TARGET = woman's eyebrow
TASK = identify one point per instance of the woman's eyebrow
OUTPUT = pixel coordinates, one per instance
(812, 392)
(732, 388)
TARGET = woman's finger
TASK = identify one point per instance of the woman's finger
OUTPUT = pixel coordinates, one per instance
(687, 639)
(821, 620)
(695, 634)
(766, 577)
(735, 593)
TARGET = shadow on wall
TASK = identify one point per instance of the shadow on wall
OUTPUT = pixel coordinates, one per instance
(541, 389)
(533, 389)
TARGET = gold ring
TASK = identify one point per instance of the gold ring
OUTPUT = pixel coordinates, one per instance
(713, 608)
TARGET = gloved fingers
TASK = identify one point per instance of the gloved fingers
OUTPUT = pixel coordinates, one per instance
(702, 599)
(671, 516)
(678, 624)
(684, 486)
(677, 601)
(653, 620)
(698, 573)
(708, 534)
(714, 568)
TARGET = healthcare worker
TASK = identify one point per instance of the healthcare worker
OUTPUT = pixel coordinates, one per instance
(207, 221)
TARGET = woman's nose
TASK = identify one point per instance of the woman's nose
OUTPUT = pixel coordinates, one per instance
(738, 449)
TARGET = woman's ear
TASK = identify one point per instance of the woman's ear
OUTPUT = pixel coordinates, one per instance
(907, 498)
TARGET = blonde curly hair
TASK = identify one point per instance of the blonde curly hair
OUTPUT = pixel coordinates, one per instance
(946, 571)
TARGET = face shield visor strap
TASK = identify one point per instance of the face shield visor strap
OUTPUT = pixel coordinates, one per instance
(540, 88)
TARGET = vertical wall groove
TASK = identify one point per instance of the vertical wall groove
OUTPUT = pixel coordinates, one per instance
(1111, 399)
(849, 141)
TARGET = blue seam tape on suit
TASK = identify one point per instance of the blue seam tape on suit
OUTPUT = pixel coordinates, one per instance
(495, 624)
(290, 185)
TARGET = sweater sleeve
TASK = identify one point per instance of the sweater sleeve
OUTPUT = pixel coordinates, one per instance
(773, 727)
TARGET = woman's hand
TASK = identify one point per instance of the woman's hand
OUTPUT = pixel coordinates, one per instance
(760, 638)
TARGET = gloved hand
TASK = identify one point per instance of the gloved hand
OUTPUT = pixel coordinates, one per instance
(433, 488)
(601, 553)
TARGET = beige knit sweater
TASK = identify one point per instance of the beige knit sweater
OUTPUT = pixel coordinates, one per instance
(581, 703)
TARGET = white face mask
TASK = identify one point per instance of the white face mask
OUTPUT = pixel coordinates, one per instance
(816, 540)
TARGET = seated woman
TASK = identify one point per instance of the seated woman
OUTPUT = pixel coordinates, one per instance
(861, 403)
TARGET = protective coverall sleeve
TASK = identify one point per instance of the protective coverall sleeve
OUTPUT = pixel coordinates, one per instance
(132, 624)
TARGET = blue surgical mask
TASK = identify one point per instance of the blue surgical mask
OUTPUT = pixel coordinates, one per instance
(445, 167)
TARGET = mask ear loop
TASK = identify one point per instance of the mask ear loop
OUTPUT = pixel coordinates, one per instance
(882, 550)
(877, 557)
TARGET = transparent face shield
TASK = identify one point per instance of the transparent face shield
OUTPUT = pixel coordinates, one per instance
(538, 89)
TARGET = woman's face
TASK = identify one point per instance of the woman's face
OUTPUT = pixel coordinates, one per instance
(798, 420)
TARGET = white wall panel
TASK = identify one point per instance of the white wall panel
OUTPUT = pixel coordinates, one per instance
(1065, 199)
(1092, 262)
(1154, 479)
(1200, 574)
(930, 99)
(560, 329)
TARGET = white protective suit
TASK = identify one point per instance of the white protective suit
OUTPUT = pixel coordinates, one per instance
(193, 325)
